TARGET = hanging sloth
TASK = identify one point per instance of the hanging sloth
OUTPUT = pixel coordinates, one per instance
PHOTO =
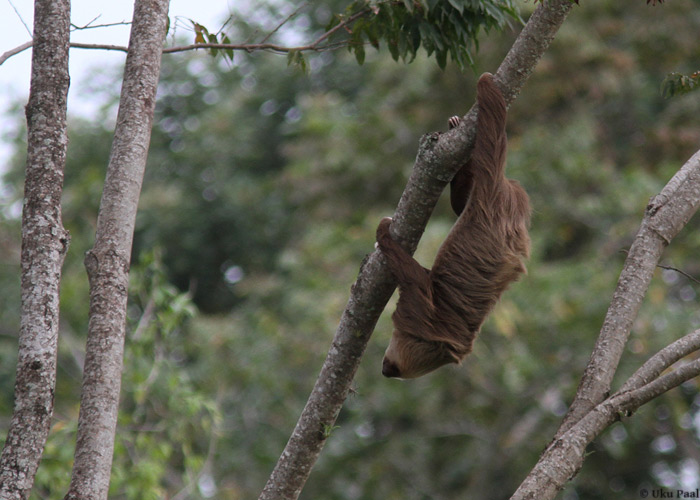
(440, 310)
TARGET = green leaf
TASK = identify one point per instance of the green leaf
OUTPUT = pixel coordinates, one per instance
(457, 4)
(441, 57)
(393, 49)
(360, 54)
(335, 20)
(212, 39)
(227, 52)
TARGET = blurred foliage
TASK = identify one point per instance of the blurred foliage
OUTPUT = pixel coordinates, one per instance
(263, 190)
(677, 84)
(441, 27)
(168, 423)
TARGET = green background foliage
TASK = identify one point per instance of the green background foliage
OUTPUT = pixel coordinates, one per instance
(262, 195)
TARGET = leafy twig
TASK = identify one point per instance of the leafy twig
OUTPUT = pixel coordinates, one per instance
(315, 46)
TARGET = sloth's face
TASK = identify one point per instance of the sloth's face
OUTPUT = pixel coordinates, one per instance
(411, 357)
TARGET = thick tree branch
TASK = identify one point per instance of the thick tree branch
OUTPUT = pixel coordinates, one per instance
(564, 456)
(108, 262)
(591, 412)
(665, 216)
(439, 156)
(44, 245)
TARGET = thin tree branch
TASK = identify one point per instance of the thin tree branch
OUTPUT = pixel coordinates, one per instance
(285, 21)
(439, 157)
(665, 216)
(632, 400)
(315, 46)
(247, 47)
(90, 26)
(250, 47)
(26, 27)
(663, 359)
(671, 268)
(6, 55)
(99, 46)
(340, 26)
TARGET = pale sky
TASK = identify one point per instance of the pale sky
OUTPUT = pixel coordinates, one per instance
(15, 72)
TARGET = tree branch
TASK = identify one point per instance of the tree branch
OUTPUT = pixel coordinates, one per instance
(671, 268)
(6, 55)
(564, 456)
(662, 360)
(665, 216)
(284, 21)
(439, 157)
(315, 46)
(591, 412)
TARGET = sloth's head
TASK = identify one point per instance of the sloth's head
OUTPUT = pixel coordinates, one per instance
(409, 357)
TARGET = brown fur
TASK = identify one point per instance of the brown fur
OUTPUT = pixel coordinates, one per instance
(440, 311)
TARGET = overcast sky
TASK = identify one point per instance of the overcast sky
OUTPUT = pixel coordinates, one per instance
(15, 72)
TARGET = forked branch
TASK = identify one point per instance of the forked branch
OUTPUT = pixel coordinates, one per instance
(565, 454)
(665, 216)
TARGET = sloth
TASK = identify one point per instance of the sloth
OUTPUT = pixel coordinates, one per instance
(441, 310)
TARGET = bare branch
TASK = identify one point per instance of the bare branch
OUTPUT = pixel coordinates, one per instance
(665, 216)
(662, 360)
(439, 157)
(248, 47)
(20, 17)
(6, 55)
(591, 412)
(99, 46)
(94, 46)
(564, 456)
(630, 401)
(671, 268)
(285, 21)
(90, 26)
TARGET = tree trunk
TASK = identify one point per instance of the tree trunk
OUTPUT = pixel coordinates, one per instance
(108, 262)
(44, 245)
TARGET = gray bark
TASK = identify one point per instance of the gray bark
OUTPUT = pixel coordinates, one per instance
(665, 216)
(108, 262)
(592, 410)
(439, 157)
(44, 244)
